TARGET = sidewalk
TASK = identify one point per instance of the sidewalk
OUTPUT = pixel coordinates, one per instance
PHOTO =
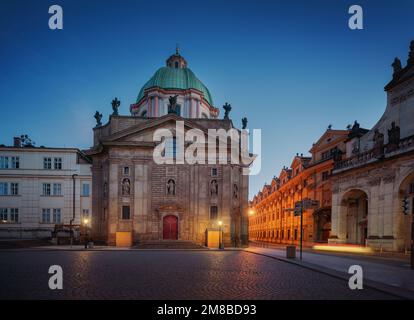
(393, 273)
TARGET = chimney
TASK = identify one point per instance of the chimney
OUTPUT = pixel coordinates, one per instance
(17, 142)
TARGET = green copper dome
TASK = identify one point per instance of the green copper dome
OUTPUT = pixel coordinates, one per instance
(176, 78)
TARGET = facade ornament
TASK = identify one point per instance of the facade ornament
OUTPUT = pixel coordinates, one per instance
(172, 107)
(171, 187)
(126, 187)
(235, 191)
(410, 60)
(98, 117)
(214, 188)
(396, 65)
(244, 123)
(393, 137)
(227, 109)
(115, 106)
(378, 143)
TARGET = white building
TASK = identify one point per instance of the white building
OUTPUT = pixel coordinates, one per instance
(36, 189)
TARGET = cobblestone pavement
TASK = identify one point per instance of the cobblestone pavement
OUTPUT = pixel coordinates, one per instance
(167, 275)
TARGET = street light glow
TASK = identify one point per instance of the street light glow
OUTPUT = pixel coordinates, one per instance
(220, 223)
(85, 221)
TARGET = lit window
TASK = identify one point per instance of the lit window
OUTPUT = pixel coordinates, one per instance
(3, 215)
(126, 213)
(46, 215)
(57, 165)
(85, 190)
(47, 163)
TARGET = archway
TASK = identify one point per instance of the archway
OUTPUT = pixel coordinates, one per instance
(355, 203)
(170, 227)
(406, 193)
(322, 223)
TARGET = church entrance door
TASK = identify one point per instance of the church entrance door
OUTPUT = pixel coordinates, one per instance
(170, 228)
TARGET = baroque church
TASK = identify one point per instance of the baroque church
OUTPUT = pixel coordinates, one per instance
(135, 200)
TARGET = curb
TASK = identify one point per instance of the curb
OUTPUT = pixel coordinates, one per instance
(398, 292)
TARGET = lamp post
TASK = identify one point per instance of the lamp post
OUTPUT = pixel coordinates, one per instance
(73, 207)
(221, 247)
(85, 224)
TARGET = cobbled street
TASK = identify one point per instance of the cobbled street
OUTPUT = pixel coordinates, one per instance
(166, 275)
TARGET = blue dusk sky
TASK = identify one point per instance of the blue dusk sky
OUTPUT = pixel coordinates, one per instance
(292, 67)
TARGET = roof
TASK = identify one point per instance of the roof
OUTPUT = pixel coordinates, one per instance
(175, 78)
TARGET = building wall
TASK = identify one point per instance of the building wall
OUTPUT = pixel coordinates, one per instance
(30, 199)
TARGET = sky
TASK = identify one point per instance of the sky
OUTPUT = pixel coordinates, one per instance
(292, 67)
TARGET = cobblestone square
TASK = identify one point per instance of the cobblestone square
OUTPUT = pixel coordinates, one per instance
(172, 275)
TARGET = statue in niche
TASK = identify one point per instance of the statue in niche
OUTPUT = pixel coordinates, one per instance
(172, 107)
(171, 187)
(126, 187)
(393, 137)
(378, 143)
(235, 191)
(115, 106)
(396, 65)
(98, 118)
(227, 109)
(214, 188)
(244, 123)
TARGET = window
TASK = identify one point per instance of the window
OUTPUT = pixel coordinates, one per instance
(411, 188)
(288, 234)
(14, 215)
(57, 189)
(126, 213)
(85, 213)
(57, 165)
(4, 162)
(46, 189)
(46, 215)
(15, 162)
(126, 171)
(14, 188)
(214, 172)
(47, 163)
(56, 215)
(325, 175)
(4, 188)
(176, 64)
(213, 213)
(3, 215)
(296, 234)
(85, 190)
(171, 148)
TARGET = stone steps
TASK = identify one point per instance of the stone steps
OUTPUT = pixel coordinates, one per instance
(169, 244)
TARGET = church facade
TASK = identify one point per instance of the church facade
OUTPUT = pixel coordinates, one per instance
(373, 185)
(136, 198)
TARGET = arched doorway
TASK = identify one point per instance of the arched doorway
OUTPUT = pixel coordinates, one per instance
(322, 223)
(170, 227)
(356, 219)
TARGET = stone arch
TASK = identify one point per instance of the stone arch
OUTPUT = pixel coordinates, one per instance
(353, 216)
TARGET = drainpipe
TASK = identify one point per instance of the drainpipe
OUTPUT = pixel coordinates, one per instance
(73, 207)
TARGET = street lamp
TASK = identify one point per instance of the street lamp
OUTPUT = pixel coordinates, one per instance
(221, 246)
(85, 224)
(251, 212)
